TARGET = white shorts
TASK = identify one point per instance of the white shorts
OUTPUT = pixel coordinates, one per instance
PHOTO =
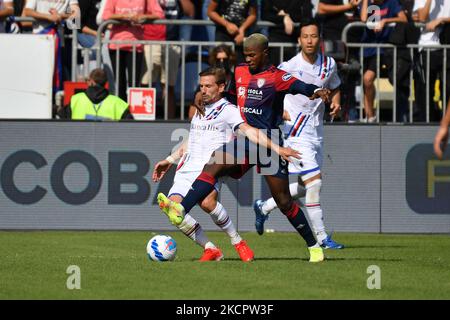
(311, 158)
(183, 181)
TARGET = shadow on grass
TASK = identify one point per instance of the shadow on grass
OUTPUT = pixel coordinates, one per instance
(306, 259)
(363, 259)
(373, 247)
(262, 259)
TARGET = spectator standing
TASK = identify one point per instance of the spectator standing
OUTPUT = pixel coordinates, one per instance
(434, 13)
(285, 13)
(167, 74)
(132, 13)
(233, 18)
(334, 15)
(188, 13)
(19, 27)
(6, 10)
(153, 53)
(210, 30)
(388, 11)
(88, 35)
(96, 103)
(50, 15)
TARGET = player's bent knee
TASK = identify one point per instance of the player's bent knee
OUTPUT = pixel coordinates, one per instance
(313, 192)
(284, 204)
(208, 204)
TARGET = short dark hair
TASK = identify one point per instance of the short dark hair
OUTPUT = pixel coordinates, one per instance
(98, 75)
(218, 73)
(256, 40)
(221, 48)
(310, 22)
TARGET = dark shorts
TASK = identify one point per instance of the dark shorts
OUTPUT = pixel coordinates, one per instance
(246, 155)
(370, 63)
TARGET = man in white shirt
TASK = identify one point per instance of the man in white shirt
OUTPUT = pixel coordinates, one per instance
(303, 130)
(49, 12)
(6, 10)
(207, 134)
(434, 13)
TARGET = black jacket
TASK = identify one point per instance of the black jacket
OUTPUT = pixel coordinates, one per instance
(298, 10)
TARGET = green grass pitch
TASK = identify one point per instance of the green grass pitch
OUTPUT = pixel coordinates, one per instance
(114, 265)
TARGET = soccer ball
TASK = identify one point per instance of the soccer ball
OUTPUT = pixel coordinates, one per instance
(161, 248)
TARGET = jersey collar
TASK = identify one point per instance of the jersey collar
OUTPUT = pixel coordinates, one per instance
(215, 104)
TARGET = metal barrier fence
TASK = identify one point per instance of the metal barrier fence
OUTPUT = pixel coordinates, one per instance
(86, 54)
(412, 48)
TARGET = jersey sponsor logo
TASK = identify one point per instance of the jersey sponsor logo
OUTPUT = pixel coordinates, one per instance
(205, 127)
(286, 76)
(251, 110)
(260, 82)
(254, 94)
(254, 91)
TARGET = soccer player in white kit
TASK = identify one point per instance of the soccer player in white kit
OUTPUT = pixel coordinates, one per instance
(207, 134)
(303, 130)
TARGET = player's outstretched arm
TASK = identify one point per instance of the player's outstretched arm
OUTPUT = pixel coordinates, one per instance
(441, 138)
(257, 136)
(309, 90)
(163, 166)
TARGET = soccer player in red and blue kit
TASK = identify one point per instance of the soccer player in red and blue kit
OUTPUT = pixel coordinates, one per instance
(259, 86)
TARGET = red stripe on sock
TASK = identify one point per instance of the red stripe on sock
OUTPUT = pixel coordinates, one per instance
(293, 211)
(312, 205)
(206, 177)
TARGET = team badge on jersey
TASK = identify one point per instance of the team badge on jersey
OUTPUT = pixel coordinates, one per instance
(286, 76)
(260, 82)
(241, 92)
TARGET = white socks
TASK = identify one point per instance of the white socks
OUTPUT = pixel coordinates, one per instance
(315, 216)
(312, 204)
(297, 191)
(314, 210)
(223, 221)
(191, 228)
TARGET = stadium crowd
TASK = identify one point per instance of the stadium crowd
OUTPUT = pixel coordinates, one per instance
(234, 20)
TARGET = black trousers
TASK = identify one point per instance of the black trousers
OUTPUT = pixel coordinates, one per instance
(126, 70)
(223, 36)
(421, 84)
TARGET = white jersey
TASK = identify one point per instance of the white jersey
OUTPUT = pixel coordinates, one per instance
(44, 6)
(306, 115)
(438, 9)
(208, 133)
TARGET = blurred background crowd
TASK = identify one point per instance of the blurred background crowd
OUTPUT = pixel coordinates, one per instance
(418, 69)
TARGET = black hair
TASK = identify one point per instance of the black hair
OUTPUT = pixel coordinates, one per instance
(311, 22)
